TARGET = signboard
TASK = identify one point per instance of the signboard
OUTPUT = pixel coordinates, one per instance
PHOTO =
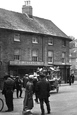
(25, 63)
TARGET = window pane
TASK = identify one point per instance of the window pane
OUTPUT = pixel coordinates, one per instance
(50, 54)
(50, 59)
(50, 41)
(17, 37)
(17, 52)
(16, 57)
(34, 53)
(34, 40)
(63, 54)
(34, 59)
(63, 42)
(63, 60)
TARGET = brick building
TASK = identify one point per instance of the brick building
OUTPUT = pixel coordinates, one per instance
(28, 42)
(73, 56)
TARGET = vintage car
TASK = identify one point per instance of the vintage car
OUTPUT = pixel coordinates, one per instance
(54, 83)
(53, 76)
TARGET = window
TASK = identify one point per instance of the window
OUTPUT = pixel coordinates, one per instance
(63, 57)
(34, 40)
(50, 56)
(17, 37)
(50, 41)
(69, 60)
(34, 55)
(76, 59)
(63, 42)
(17, 54)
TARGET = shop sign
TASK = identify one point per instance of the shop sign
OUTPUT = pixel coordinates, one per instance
(25, 63)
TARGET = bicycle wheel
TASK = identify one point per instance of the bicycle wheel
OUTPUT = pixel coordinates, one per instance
(1, 104)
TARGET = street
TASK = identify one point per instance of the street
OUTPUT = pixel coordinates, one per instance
(62, 103)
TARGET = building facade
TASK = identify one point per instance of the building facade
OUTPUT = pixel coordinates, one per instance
(28, 42)
(73, 56)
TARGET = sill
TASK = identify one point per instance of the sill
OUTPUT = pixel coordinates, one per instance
(35, 42)
(50, 62)
(50, 44)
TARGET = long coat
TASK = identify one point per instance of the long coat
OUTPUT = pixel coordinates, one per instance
(28, 99)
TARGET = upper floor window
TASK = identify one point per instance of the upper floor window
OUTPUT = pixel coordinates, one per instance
(34, 40)
(17, 54)
(63, 57)
(64, 43)
(50, 41)
(34, 55)
(50, 56)
(17, 37)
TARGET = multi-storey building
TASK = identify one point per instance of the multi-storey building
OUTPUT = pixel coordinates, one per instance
(28, 42)
(73, 56)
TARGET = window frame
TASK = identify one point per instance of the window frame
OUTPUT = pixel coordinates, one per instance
(64, 43)
(50, 41)
(36, 56)
(17, 37)
(17, 54)
(34, 40)
(50, 62)
(63, 57)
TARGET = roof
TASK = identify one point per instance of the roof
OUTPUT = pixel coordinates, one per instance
(21, 22)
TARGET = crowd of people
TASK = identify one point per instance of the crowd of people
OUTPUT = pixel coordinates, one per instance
(33, 85)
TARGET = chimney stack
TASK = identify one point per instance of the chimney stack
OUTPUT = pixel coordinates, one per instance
(27, 8)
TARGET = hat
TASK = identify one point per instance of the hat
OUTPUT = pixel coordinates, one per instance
(31, 76)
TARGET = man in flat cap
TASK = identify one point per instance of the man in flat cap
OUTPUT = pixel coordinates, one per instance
(7, 91)
(43, 89)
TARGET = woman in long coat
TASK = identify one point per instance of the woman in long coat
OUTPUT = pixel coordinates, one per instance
(28, 99)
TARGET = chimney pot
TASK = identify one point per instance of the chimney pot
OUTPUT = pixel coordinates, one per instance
(27, 8)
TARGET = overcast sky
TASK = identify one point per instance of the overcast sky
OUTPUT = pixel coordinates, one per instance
(63, 13)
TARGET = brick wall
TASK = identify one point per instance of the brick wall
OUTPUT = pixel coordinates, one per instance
(8, 46)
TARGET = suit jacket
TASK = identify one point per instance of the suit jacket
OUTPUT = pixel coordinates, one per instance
(43, 89)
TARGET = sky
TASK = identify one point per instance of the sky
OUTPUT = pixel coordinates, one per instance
(63, 13)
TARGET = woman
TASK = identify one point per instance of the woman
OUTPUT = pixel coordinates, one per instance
(28, 99)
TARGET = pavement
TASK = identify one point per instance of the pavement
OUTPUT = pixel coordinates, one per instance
(18, 104)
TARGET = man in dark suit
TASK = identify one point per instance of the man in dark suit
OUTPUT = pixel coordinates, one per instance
(7, 91)
(43, 89)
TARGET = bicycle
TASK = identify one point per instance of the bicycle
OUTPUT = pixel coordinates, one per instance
(1, 104)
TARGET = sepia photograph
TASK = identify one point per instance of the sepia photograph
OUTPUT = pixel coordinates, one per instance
(38, 57)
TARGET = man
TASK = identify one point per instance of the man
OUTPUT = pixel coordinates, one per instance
(35, 80)
(25, 80)
(8, 92)
(18, 85)
(43, 89)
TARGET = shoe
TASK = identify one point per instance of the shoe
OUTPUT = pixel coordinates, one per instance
(42, 113)
(48, 112)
